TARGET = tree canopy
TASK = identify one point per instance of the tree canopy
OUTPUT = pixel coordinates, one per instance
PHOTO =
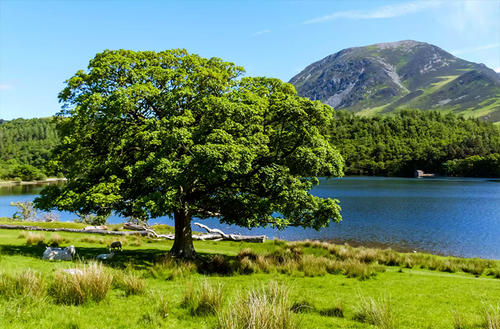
(398, 144)
(150, 134)
(25, 146)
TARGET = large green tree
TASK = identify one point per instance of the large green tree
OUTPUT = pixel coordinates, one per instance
(149, 134)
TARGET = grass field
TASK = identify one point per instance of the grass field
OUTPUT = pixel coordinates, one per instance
(280, 284)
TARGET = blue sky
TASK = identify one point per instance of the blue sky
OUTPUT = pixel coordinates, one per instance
(43, 43)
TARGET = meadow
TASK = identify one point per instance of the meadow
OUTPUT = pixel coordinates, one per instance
(277, 284)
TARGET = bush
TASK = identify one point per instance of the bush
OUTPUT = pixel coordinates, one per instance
(25, 211)
(265, 308)
(91, 283)
(93, 220)
(49, 217)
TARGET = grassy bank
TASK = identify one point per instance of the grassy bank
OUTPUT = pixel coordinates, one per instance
(286, 285)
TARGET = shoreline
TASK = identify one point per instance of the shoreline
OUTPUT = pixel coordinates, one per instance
(34, 182)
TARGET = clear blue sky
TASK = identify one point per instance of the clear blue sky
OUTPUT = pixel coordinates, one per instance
(42, 43)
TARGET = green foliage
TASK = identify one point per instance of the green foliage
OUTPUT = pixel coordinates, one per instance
(150, 134)
(25, 211)
(90, 219)
(399, 144)
(25, 146)
(474, 166)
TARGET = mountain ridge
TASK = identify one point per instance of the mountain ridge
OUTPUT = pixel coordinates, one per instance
(407, 74)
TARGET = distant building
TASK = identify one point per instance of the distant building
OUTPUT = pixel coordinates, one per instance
(420, 174)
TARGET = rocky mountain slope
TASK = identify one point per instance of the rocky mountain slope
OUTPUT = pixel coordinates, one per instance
(406, 74)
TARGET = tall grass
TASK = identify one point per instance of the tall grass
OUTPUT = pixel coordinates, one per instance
(203, 298)
(93, 239)
(170, 268)
(130, 283)
(264, 308)
(291, 260)
(26, 284)
(34, 239)
(378, 313)
(91, 283)
(389, 257)
(491, 317)
(459, 321)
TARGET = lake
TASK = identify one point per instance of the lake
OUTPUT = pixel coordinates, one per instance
(451, 216)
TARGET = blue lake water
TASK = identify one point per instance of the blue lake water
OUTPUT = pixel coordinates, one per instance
(452, 216)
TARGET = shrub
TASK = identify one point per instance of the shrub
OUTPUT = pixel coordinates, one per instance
(49, 217)
(25, 211)
(203, 299)
(94, 220)
(378, 313)
(494, 272)
(265, 308)
(91, 283)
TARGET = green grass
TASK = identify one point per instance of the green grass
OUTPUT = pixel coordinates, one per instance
(148, 290)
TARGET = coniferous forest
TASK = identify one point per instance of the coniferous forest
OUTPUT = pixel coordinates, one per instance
(391, 145)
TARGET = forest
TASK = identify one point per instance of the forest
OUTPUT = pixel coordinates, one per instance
(25, 146)
(399, 144)
(391, 145)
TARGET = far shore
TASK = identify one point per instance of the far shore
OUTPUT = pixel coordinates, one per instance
(34, 182)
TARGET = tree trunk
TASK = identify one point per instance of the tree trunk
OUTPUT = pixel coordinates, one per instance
(183, 243)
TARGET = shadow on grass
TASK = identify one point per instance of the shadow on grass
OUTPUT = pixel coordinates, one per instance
(137, 258)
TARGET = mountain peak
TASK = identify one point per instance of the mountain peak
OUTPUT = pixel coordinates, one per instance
(387, 76)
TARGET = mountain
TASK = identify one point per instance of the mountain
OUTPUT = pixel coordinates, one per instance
(408, 74)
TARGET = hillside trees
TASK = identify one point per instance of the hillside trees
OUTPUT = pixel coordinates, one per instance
(25, 146)
(398, 144)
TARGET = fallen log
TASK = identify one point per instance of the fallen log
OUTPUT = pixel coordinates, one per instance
(216, 234)
(213, 234)
(71, 230)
